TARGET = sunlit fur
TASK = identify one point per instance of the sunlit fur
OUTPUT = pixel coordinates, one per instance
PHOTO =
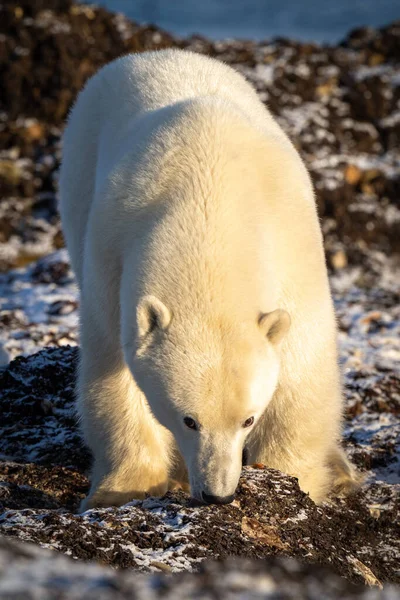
(188, 214)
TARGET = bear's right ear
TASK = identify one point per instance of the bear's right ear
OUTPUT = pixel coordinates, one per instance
(152, 314)
(275, 325)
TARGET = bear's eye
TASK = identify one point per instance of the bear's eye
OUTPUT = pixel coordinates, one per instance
(189, 422)
(248, 422)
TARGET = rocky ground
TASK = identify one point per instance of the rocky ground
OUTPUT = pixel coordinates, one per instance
(341, 107)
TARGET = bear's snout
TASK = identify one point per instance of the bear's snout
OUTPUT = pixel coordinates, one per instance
(210, 499)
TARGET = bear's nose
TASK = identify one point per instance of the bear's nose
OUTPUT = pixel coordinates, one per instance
(210, 499)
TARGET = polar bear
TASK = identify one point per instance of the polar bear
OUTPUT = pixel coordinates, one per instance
(207, 325)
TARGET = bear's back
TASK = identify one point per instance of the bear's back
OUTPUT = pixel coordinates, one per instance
(137, 83)
(113, 101)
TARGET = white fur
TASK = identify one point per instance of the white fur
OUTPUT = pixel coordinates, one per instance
(188, 215)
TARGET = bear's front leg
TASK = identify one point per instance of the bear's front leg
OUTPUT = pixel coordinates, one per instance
(132, 451)
(287, 438)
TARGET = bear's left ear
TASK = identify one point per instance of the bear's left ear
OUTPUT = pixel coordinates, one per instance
(152, 314)
(275, 325)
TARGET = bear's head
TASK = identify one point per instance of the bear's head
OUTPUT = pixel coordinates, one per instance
(208, 381)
